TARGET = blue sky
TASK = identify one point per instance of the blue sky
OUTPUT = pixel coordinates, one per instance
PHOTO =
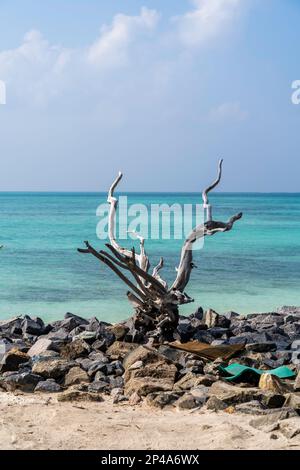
(157, 89)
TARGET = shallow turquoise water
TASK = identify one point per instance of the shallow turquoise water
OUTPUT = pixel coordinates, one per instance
(255, 267)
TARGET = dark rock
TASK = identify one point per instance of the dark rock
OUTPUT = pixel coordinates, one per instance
(24, 381)
(98, 386)
(52, 368)
(97, 366)
(231, 394)
(215, 404)
(172, 354)
(187, 402)
(187, 382)
(33, 326)
(198, 314)
(219, 332)
(273, 400)
(185, 330)
(115, 368)
(161, 399)
(261, 347)
(250, 408)
(75, 349)
(116, 382)
(12, 360)
(79, 320)
(203, 337)
(79, 395)
(119, 331)
(48, 386)
(75, 375)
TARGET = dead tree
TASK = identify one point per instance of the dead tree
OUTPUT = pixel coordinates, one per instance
(156, 305)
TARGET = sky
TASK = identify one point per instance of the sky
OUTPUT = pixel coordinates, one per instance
(157, 89)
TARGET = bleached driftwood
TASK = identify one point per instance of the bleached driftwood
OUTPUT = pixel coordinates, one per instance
(155, 304)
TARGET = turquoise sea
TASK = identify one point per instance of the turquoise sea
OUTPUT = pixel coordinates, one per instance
(253, 268)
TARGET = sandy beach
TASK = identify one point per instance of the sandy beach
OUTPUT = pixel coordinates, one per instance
(41, 422)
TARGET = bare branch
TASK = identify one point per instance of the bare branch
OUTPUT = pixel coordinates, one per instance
(156, 274)
(206, 204)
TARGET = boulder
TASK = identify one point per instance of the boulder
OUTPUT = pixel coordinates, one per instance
(210, 318)
(250, 408)
(273, 400)
(271, 383)
(48, 386)
(12, 360)
(156, 375)
(75, 349)
(116, 382)
(160, 399)
(72, 321)
(119, 331)
(24, 381)
(52, 368)
(34, 327)
(231, 394)
(75, 375)
(187, 402)
(79, 395)
(118, 350)
(189, 381)
(98, 386)
(40, 346)
(215, 404)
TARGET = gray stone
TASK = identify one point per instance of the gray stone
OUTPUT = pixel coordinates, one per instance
(52, 368)
(187, 402)
(42, 345)
(24, 381)
(215, 404)
(98, 386)
(75, 375)
(161, 399)
(75, 349)
(48, 386)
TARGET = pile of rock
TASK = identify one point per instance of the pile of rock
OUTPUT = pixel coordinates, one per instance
(87, 359)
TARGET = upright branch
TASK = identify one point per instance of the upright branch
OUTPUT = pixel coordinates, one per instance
(155, 304)
(206, 206)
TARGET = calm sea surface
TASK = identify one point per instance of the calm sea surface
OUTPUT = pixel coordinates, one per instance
(253, 268)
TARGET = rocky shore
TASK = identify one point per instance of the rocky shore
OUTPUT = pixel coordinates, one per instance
(87, 360)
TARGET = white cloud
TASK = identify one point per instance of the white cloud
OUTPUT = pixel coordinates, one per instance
(230, 111)
(111, 49)
(209, 19)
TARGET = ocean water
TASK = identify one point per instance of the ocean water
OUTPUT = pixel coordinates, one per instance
(253, 268)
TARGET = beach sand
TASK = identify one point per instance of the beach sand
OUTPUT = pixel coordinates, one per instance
(41, 422)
